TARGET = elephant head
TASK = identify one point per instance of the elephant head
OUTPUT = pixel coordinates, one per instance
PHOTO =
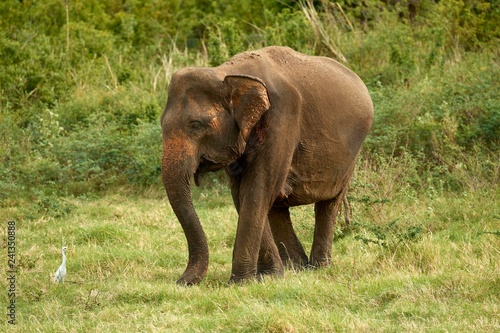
(205, 127)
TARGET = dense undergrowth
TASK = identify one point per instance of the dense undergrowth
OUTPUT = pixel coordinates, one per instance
(82, 89)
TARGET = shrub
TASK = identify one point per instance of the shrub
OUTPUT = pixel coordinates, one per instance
(145, 148)
(81, 113)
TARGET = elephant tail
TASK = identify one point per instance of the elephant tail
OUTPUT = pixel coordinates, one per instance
(347, 210)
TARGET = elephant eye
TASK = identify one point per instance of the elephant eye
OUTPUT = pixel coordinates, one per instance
(196, 125)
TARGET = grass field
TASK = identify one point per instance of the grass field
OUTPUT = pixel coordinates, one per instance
(411, 262)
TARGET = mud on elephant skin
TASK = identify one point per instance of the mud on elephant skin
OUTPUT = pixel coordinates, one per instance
(287, 128)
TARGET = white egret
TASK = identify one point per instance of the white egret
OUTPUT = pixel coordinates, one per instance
(61, 271)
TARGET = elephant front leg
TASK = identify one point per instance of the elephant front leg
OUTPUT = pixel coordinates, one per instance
(255, 252)
(254, 192)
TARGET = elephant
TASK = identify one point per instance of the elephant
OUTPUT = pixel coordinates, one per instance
(287, 128)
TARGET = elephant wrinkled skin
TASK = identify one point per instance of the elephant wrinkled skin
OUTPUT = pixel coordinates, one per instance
(287, 128)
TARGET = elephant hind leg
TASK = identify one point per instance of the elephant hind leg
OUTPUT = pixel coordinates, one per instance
(290, 249)
(326, 213)
(269, 262)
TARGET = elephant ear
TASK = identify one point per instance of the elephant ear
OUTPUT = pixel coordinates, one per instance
(248, 100)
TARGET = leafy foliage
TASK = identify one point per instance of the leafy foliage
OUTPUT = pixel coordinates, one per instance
(81, 90)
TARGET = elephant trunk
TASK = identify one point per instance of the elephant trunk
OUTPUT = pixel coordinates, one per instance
(177, 167)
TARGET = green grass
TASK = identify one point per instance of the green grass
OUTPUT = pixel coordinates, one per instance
(126, 250)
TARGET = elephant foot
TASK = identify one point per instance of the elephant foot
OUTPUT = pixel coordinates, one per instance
(256, 278)
(275, 269)
(192, 276)
(296, 263)
(295, 259)
(242, 279)
(320, 261)
(183, 281)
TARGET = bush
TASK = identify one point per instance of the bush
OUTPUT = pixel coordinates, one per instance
(145, 148)
(436, 117)
(81, 95)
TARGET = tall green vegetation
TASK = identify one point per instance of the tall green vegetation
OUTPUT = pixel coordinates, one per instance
(82, 88)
